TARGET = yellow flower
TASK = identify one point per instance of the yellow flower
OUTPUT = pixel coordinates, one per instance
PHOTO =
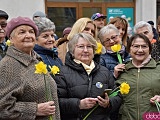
(8, 43)
(116, 48)
(54, 69)
(124, 88)
(99, 48)
(41, 68)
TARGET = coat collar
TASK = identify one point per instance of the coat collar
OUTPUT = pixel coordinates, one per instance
(21, 56)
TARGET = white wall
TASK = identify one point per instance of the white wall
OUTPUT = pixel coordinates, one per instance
(146, 10)
(24, 8)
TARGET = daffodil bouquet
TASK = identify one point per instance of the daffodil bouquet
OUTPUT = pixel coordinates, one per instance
(116, 48)
(41, 68)
(123, 89)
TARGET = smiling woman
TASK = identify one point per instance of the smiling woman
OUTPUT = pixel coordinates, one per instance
(20, 89)
(45, 42)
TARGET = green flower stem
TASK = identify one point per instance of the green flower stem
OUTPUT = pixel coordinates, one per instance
(90, 112)
(157, 105)
(119, 58)
(48, 93)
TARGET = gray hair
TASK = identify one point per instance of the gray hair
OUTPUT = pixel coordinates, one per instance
(44, 24)
(72, 43)
(107, 30)
(142, 24)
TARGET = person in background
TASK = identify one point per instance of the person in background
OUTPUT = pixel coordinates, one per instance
(142, 74)
(155, 33)
(122, 25)
(110, 36)
(45, 42)
(3, 23)
(81, 82)
(61, 44)
(98, 19)
(22, 92)
(86, 25)
(146, 29)
(158, 26)
(38, 15)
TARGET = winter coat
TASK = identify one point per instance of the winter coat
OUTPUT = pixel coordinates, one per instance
(21, 90)
(144, 84)
(49, 56)
(3, 49)
(75, 84)
(110, 60)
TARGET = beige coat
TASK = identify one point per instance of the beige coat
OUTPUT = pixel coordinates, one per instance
(21, 89)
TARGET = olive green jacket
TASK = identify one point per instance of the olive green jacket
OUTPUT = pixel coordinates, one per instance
(144, 84)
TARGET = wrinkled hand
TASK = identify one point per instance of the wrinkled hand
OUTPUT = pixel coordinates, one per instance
(118, 68)
(87, 103)
(103, 102)
(156, 97)
(45, 109)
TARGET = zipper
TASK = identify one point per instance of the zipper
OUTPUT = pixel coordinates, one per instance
(137, 93)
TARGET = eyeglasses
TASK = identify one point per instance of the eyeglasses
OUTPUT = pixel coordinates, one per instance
(137, 47)
(82, 47)
(3, 24)
(109, 39)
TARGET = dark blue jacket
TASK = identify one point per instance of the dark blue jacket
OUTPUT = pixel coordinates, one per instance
(49, 57)
(110, 60)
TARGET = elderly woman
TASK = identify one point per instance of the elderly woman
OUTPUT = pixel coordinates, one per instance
(45, 42)
(142, 74)
(82, 81)
(22, 95)
(109, 36)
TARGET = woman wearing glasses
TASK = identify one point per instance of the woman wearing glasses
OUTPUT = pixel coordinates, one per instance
(82, 81)
(109, 36)
(142, 74)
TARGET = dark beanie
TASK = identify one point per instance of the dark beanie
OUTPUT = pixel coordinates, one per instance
(15, 22)
(3, 14)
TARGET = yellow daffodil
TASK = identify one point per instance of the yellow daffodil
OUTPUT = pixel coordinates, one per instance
(124, 88)
(54, 69)
(99, 48)
(116, 48)
(41, 68)
(8, 42)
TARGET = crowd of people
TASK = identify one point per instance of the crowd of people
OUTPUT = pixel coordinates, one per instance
(91, 57)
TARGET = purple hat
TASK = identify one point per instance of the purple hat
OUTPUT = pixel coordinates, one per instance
(67, 30)
(15, 22)
(98, 15)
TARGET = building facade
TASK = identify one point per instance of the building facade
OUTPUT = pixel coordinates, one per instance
(65, 12)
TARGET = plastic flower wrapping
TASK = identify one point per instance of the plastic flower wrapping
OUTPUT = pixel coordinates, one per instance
(41, 68)
(123, 89)
(116, 48)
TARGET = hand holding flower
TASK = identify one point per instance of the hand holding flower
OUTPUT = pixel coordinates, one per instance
(46, 109)
(116, 48)
(87, 103)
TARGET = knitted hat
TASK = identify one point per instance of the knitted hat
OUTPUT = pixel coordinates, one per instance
(98, 15)
(15, 22)
(3, 14)
(67, 30)
(39, 14)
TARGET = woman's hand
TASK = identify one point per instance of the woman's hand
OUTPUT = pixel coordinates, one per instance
(103, 102)
(118, 68)
(156, 97)
(46, 109)
(87, 103)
